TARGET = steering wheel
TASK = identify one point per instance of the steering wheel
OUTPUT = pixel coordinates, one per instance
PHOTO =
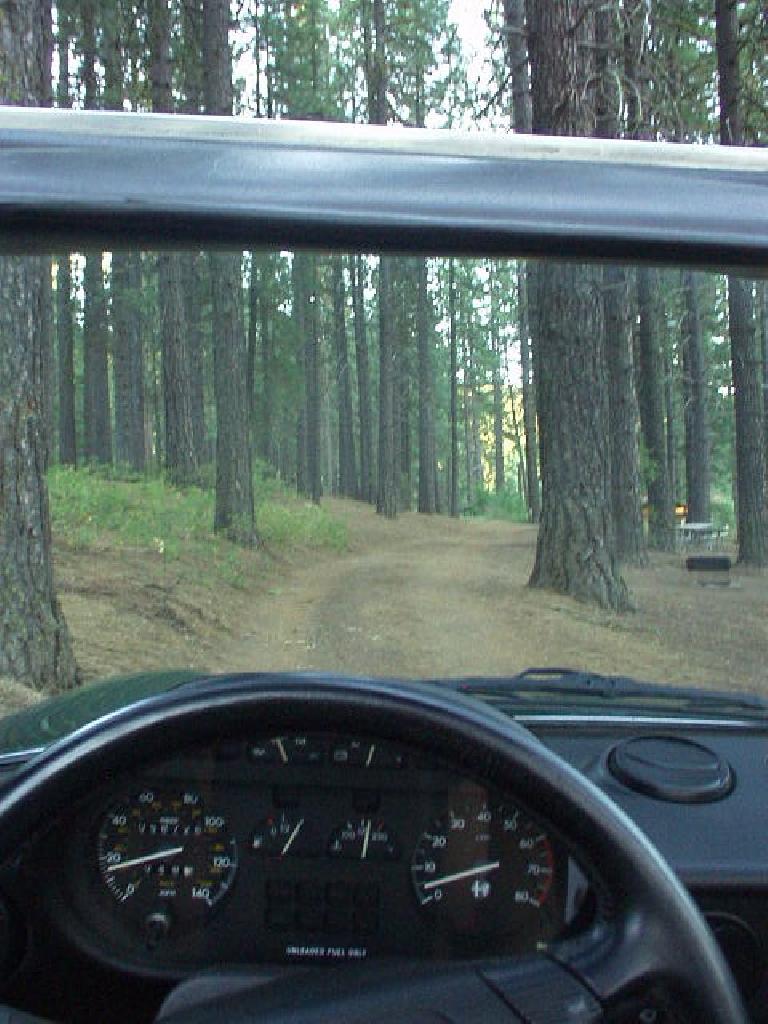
(648, 935)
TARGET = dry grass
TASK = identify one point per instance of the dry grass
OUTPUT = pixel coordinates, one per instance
(421, 596)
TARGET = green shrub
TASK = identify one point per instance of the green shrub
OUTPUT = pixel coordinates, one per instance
(509, 504)
(93, 506)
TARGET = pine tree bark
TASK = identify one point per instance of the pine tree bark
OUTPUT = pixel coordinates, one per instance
(193, 271)
(453, 501)
(626, 498)
(181, 451)
(386, 498)
(376, 80)
(35, 646)
(651, 401)
(576, 548)
(347, 460)
(367, 488)
(265, 307)
(305, 311)
(763, 299)
(696, 418)
(745, 356)
(498, 398)
(623, 412)
(128, 360)
(426, 394)
(64, 313)
(517, 60)
(234, 508)
(97, 418)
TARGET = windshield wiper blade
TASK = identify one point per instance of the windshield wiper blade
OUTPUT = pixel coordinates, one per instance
(572, 685)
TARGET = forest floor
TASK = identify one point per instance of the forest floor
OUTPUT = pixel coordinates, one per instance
(417, 597)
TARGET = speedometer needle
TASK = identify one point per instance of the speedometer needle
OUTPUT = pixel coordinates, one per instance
(174, 851)
(482, 869)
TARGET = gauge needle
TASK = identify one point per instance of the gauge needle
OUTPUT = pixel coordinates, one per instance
(482, 869)
(366, 838)
(291, 837)
(173, 851)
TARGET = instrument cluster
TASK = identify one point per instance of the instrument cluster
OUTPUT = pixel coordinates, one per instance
(313, 848)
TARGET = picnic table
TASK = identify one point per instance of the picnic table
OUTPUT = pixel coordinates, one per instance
(700, 535)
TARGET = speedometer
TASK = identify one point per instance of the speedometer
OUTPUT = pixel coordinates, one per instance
(483, 868)
(166, 850)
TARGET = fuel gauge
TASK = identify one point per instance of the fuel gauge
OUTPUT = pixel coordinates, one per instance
(284, 835)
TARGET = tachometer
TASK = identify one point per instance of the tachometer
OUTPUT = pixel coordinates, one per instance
(166, 849)
(483, 868)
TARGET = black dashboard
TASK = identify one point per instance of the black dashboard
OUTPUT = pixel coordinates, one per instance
(325, 847)
(304, 848)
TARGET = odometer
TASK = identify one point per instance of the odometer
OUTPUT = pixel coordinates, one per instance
(484, 869)
(166, 849)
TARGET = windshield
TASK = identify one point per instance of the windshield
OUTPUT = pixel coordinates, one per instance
(292, 461)
(421, 466)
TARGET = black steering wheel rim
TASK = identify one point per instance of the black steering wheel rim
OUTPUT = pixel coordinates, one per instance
(654, 932)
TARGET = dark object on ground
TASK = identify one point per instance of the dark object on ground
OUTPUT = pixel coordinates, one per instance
(710, 570)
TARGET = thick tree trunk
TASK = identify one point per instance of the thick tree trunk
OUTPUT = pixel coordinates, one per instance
(234, 511)
(453, 501)
(623, 412)
(575, 552)
(367, 488)
(576, 547)
(626, 499)
(697, 435)
(347, 460)
(651, 400)
(745, 356)
(34, 641)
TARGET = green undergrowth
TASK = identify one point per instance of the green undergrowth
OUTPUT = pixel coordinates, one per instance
(507, 505)
(98, 508)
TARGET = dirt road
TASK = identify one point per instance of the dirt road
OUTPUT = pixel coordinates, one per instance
(429, 596)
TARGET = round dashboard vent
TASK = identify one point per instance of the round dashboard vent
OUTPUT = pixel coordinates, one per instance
(671, 768)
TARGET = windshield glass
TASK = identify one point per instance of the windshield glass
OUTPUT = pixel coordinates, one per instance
(394, 465)
(276, 460)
